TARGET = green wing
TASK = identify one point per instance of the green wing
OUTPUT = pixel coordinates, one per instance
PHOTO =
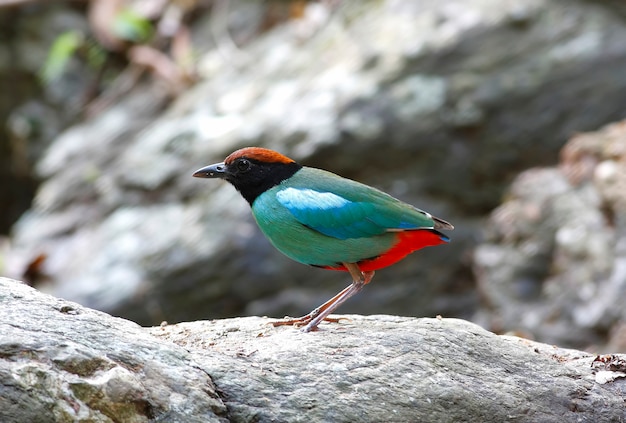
(342, 208)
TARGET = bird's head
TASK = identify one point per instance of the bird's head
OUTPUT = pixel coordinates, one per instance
(252, 170)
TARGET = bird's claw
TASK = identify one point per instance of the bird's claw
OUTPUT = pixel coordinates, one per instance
(303, 321)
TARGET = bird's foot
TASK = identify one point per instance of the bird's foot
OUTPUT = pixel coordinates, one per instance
(304, 320)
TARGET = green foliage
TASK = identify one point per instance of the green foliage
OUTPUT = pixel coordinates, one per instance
(66, 46)
(96, 56)
(127, 25)
(63, 49)
(130, 26)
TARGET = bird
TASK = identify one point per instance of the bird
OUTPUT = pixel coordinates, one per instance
(321, 219)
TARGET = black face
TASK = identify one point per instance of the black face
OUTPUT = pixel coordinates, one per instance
(251, 177)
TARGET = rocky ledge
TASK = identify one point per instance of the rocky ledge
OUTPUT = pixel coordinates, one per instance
(61, 362)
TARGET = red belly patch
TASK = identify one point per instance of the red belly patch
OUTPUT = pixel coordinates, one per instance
(407, 242)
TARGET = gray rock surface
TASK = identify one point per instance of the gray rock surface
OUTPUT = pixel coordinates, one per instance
(439, 103)
(60, 362)
(395, 369)
(554, 260)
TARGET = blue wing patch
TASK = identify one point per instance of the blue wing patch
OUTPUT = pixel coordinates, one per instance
(303, 199)
(338, 217)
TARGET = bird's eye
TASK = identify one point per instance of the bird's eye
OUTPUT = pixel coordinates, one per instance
(243, 165)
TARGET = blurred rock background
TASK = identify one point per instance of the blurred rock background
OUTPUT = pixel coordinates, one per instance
(482, 112)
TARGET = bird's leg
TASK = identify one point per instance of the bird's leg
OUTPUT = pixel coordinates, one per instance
(359, 280)
(320, 313)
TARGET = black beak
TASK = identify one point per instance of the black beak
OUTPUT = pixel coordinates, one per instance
(217, 170)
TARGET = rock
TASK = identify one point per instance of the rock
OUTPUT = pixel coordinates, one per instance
(438, 103)
(60, 361)
(554, 261)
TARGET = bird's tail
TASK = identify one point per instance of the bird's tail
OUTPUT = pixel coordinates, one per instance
(442, 224)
